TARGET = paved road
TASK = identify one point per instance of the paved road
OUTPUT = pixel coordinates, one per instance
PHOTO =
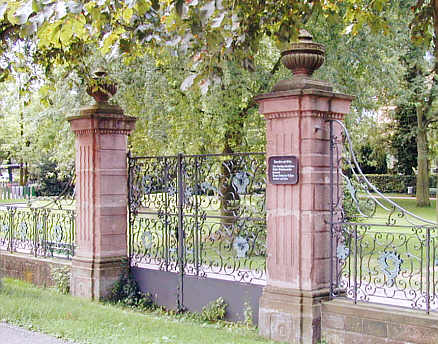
(10, 334)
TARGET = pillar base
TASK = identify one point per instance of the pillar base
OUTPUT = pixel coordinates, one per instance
(94, 278)
(291, 315)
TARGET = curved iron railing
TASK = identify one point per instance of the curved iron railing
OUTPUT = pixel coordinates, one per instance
(380, 252)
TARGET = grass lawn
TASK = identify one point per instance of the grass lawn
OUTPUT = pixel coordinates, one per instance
(72, 318)
(12, 201)
(381, 215)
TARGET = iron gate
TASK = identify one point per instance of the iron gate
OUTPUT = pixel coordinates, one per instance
(200, 215)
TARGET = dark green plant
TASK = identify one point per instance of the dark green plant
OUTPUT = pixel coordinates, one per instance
(61, 277)
(51, 182)
(248, 317)
(214, 311)
(127, 292)
(348, 205)
(403, 139)
(393, 182)
(371, 159)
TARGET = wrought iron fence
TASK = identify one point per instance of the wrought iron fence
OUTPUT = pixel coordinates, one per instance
(380, 252)
(45, 232)
(201, 215)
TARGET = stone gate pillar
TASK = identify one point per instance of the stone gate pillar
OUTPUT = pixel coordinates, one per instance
(101, 134)
(298, 198)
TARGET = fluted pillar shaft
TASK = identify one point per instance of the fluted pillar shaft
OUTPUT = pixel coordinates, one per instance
(101, 199)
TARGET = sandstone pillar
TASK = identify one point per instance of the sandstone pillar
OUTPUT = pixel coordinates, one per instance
(101, 197)
(298, 239)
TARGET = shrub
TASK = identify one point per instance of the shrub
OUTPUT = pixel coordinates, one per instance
(51, 182)
(61, 277)
(214, 311)
(391, 182)
(127, 292)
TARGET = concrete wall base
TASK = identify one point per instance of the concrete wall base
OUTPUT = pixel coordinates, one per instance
(344, 322)
(34, 270)
(292, 316)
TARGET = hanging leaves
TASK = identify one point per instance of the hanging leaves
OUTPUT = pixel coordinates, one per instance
(188, 82)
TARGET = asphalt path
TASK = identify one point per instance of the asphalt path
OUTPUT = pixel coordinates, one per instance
(10, 334)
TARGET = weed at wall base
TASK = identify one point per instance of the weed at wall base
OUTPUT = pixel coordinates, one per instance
(62, 278)
(248, 315)
(127, 293)
(214, 311)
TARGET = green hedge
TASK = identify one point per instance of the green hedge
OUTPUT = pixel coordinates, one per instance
(396, 183)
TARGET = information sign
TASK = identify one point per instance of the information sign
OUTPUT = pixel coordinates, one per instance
(283, 169)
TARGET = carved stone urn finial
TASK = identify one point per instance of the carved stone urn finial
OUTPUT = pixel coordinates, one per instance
(101, 89)
(303, 58)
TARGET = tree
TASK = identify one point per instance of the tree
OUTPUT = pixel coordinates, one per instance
(212, 38)
(403, 138)
(46, 133)
(209, 31)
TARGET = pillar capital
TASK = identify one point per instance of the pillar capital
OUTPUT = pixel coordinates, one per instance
(102, 119)
(304, 102)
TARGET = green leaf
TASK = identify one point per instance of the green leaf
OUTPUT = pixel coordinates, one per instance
(66, 32)
(127, 14)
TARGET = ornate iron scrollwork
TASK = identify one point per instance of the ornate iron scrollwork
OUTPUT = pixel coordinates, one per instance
(221, 217)
(381, 252)
(241, 182)
(390, 264)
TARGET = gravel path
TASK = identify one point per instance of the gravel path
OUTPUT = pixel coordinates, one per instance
(10, 334)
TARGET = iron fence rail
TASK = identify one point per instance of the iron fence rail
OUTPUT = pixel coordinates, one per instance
(380, 252)
(42, 232)
(391, 267)
(200, 215)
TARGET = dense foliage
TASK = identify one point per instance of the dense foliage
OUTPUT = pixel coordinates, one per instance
(189, 70)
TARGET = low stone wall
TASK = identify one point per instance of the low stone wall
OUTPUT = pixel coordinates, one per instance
(344, 322)
(28, 268)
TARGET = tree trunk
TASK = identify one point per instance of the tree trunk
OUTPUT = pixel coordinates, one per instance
(21, 174)
(436, 195)
(10, 171)
(229, 198)
(422, 194)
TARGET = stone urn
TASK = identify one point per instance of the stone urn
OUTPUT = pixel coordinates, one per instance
(302, 59)
(101, 89)
(304, 56)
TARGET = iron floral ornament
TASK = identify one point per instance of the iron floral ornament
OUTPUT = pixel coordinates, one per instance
(241, 246)
(5, 228)
(240, 182)
(342, 251)
(147, 184)
(388, 259)
(58, 233)
(22, 230)
(146, 239)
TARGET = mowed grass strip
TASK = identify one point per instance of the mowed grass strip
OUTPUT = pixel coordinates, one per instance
(82, 321)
